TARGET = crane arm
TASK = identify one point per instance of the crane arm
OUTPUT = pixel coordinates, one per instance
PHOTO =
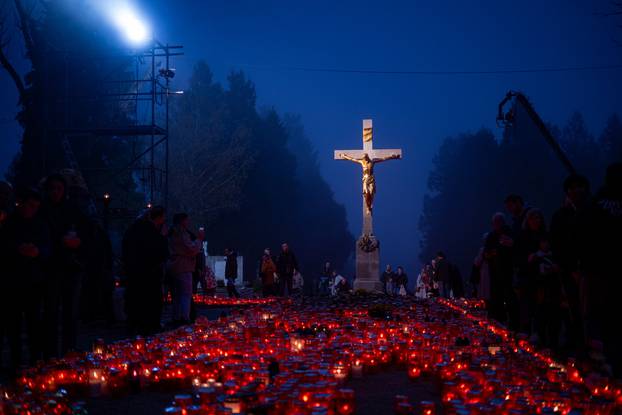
(509, 117)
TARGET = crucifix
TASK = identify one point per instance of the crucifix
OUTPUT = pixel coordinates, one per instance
(368, 246)
(368, 157)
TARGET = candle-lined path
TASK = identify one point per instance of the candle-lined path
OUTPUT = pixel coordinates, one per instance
(286, 358)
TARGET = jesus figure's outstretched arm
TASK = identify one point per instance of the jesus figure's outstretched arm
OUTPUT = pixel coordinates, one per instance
(344, 156)
(391, 157)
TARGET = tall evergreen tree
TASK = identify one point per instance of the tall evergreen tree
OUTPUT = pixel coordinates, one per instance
(582, 148)
(322, 222)
(457, 210)
(530, 167)
(610, 140)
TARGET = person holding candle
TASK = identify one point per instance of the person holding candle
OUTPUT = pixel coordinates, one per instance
(548, 294)
(528, 244)
(183, 251)
(70, 232)
(25, 247)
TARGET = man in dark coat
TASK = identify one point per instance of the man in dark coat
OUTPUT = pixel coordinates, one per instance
(600, 259)
(231, 272)
(443, 277)
(6, 193)
(286, 266)
(386, 279)
(498, 251)
(69, 233)
(565, 244)
(25, 248)
(144, 252)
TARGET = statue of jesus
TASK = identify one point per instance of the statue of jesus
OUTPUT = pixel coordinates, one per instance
(369, 181)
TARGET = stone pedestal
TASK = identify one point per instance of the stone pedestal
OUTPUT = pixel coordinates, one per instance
(367, 267)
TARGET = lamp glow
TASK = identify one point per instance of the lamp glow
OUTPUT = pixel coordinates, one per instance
(130, 24)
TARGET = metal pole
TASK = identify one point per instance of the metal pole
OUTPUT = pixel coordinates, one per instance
(153, 102)
(166, 148)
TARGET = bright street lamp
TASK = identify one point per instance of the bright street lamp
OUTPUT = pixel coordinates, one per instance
(131, 25)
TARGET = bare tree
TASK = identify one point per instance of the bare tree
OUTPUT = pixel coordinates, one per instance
(24, 22)
(5, 40)
(207, 169)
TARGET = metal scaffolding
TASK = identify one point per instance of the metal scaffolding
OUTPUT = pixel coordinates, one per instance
(138, 93)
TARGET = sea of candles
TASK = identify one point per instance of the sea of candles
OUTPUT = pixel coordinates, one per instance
(206, 300)
(283, 358)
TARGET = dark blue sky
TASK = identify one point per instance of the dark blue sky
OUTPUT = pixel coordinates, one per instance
(411, 112)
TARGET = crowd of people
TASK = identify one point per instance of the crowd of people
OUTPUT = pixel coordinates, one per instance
(158, 261)
(558, 284)
(439, 278)
(331, 282)
(280, 275)
(51, 255)
(394, 283)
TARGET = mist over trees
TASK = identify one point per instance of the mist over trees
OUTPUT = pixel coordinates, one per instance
(251, 177)
(473, 173)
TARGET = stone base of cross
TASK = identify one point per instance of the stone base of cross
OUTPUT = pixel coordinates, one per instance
(368, 246)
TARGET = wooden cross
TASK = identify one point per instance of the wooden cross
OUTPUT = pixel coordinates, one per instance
(376, 156)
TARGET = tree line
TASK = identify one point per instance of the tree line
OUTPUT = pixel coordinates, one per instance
(473, 173)
(252, 177)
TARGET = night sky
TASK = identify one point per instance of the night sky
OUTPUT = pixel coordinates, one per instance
(413, 112)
